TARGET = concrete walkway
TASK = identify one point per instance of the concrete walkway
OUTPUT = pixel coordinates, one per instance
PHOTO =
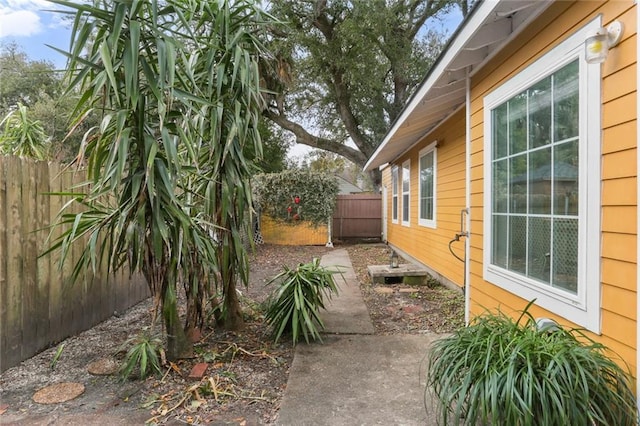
(356, 377)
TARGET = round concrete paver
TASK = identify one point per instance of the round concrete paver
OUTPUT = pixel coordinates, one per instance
(60, 392)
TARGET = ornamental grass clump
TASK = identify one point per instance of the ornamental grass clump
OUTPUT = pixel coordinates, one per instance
(143, 356)
(503, 372)
(294, 307)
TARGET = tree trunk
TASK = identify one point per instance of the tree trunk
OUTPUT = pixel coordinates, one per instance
(194, 318)
(376, 179)
(196, 288)
(232, 319)
(178, 346)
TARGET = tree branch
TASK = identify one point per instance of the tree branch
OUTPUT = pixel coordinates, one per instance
(340, 87)
(305, 138)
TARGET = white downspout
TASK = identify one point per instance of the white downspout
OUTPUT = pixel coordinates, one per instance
(638, 220)
(467, 202)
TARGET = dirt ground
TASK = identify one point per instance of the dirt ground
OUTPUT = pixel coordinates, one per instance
(246, 374)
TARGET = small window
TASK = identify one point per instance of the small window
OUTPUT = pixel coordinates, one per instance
(427, 188)
(394, 194)
(406, 194)
(542, 183)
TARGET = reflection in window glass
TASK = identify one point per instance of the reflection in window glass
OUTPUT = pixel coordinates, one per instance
(394, 193)
(427, 190)
(406, 181)
(535, 181)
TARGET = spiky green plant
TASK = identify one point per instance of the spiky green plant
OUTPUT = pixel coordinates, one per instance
(56, 356)
(295, 305)
(22, 136)
(502, 371)
(143, 355)
(177, 85)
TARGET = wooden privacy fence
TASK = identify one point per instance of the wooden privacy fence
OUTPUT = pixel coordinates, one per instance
(357, 216)
(38, 305)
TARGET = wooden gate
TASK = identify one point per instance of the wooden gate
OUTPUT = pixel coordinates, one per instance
(357, 216)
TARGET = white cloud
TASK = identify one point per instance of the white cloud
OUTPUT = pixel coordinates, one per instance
(26, 4)
(19, 23)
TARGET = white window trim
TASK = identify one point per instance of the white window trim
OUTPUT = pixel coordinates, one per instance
(406, 166)
(394, 194)
(429, 223)
(584, 308)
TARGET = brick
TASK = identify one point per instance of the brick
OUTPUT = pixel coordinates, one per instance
(197, 372)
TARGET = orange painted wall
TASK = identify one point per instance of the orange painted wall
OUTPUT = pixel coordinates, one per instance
(619, 166)
(294, 234)
(428, 245)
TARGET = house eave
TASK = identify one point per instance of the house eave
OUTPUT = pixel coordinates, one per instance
(487, 29)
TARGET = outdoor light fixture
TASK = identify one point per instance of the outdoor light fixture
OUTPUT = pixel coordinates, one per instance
(394, 259)
(598, 43)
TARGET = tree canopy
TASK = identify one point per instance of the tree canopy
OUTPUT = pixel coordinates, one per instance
(347, 68)
(39, 88)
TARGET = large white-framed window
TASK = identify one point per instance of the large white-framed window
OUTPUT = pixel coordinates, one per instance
(394, 194)
(542, 183)
(406, 192)
(427, 174)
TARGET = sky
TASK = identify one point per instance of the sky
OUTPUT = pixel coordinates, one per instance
(32, 24)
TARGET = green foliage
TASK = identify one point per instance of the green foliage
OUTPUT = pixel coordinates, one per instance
(275, 145)
(24, 80)
(178, 89)
(22, 136)
(276, 194)
(295, 305)
(143, 355)
(504, 372)
(56, 356)
(346, 69)
(39, 86)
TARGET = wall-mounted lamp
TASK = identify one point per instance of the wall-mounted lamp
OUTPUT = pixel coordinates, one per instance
(597, 44)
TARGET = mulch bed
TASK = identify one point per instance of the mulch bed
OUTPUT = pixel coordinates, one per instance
(246, 372)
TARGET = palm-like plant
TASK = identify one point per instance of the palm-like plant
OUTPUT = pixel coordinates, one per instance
(502, 371)
(176, 84)
(23, 136)
(294, 307)
(224, 125)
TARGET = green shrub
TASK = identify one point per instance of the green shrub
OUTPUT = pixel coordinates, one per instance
(143, 355)
(503, 372)
(295, 305)
(296, 195)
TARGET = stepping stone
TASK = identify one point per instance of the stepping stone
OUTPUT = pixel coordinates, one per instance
(103, 367)
(59, 392)
(413, 274)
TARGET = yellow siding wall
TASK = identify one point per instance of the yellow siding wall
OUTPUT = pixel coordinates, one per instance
(619, 168)
(295, 234)
(428, 245)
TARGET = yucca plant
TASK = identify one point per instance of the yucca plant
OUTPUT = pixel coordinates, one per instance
(143, 355)
(177, 86)
(502, 371)
(22, 136)
(295, 305)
